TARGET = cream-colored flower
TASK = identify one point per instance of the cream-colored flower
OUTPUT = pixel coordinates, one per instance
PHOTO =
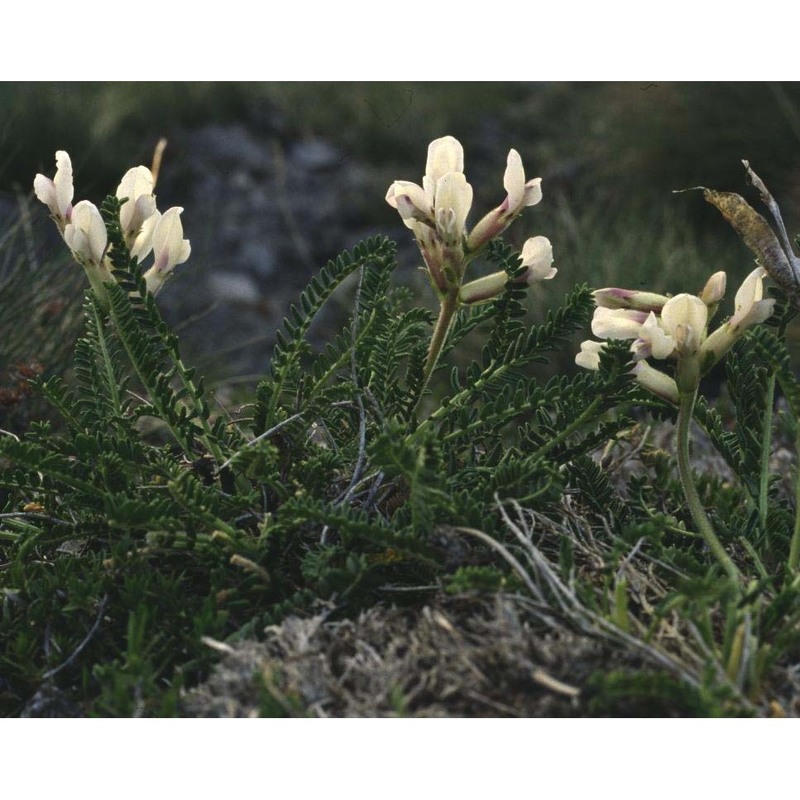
(750, 308)
(684, 318)
(617, 323)
(411, 202)
(653, 340)
(57, 193)
(414, 202)
(537, 256)
(520, 193)
(650, 378)
(142, 244)
(589, 355)
(444, 155)
(656, 382)
(85, 234)
(645, 329)
(437, 211)
(452, 201)
(137, 185)
(169, 249)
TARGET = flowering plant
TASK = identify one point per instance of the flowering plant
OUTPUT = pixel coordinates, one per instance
(436, 213)
(143, 227)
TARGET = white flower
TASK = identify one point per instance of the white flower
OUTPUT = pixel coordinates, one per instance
(653, 340)
(414, 202)
(650, 378)
(57, 193)
(437, 211)
(142, 244)
(520, 193)
(444, 155)
(411, 202)
(137, 185)
(656, 382)
(444, 199)
(684, 318)
(617, 323)
(589, 356)
(169, 248)
(85, 234)
(537, 256)
(749, 309)
(452, 201)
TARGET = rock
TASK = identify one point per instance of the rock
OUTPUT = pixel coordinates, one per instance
(234, 287)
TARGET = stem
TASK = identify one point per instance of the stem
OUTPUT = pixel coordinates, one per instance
(690, 490)
(113, 385)
(794, 548)
(766, 441)
(447, 311)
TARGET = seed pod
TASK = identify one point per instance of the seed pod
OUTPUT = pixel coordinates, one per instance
(774, 254)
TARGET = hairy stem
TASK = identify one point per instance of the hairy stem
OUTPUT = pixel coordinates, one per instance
(690, 490)
(447, 312)
(794, 548)
(766, 441)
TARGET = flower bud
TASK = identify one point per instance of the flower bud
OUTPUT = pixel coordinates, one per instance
(483, 289)
(714, 290)
(629, 298)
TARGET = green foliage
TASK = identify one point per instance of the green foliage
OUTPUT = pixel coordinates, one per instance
(339, 493)
(143, 517)
(645, 694)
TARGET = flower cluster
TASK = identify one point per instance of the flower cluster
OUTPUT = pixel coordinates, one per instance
(675, 328)
(437, 213)
(144, 227)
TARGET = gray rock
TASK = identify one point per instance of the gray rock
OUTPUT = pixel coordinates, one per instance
(234, 287)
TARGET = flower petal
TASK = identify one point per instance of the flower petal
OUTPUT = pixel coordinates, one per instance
(444, 155)
(619, 323)
(453, 200)
(589, 356)
(685, 318)
(169, 246)
(514, 180)
(64, 189)
(537, 256)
